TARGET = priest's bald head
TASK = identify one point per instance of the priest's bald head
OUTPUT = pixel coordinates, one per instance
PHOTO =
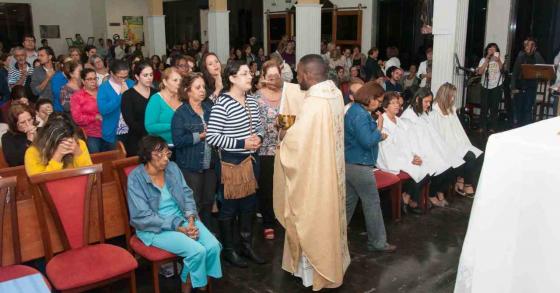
(311, 70)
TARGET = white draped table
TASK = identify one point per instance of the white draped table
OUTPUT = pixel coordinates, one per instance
(513, 239)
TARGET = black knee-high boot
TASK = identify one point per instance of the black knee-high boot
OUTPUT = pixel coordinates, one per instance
(246, 230)
(229, 253)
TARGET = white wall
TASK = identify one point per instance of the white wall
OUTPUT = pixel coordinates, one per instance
(367, 18)
(497, 23)
(73, 16)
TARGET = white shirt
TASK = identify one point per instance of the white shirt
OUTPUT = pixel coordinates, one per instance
(450, 129)
(557, 63)
(422, 68)
(494, 74)
(287, 74)
(119, 53)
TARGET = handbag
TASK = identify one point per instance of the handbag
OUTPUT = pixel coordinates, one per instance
(239, 179)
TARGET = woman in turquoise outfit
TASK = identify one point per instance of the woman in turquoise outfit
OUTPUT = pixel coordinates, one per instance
(162, 106)
(163, 211)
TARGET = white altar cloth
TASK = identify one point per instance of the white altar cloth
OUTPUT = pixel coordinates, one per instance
(513, 239)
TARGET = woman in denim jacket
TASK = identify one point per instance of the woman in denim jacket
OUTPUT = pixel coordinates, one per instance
(193, 154)
(163, 211)
(361, 138)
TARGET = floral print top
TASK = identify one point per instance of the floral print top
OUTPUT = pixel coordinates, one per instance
(268, 115)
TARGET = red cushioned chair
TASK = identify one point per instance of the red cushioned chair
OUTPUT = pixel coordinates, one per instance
(81, 266)
(121, 169)
(8, 198)
(390, 181)
(425, 190)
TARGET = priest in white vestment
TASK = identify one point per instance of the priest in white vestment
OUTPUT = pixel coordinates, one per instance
(309, 189)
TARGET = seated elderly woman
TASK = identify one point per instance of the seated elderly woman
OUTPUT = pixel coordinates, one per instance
(445, 121)
(56, 147)
(399, 154)
(163, 211)
(431, 148)
(22, 130)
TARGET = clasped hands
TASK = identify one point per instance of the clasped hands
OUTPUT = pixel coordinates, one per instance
(253, 142)
(190, 230)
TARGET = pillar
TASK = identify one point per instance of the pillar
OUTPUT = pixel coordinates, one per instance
(308, 28)
(498, 16)
(218, 29)
(155, 28)
(449, 30)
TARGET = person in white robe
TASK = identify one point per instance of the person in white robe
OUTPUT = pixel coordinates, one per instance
(399, 154)
(444, 120)
(431, 148)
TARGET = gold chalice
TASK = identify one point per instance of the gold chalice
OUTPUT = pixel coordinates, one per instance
(285, 121)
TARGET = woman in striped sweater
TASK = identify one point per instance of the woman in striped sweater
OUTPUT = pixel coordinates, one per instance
(236, 130)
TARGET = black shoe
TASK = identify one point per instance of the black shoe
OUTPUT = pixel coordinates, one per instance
(416, 211)
(246, 232)
(229, 253)
(405, 208)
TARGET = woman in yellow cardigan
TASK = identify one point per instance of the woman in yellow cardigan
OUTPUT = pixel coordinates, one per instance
(56, 147)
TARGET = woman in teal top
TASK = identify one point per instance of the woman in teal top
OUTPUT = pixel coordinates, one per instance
(163, 211)
(162, 106)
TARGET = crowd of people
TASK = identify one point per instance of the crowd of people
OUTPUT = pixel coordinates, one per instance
(207, 136)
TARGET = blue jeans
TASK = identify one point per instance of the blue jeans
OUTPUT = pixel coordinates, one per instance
(201, 257)
(361, 185)
(97, 144)
(524, 102)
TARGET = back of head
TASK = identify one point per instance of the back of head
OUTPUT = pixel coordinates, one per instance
(370, 90)
(315, 66)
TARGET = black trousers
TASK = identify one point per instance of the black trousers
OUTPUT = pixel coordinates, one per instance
(231, 208)
(203, 185)
(265, 191)
(490, 101)
(415, 188)
(440, 183)
(468, 169)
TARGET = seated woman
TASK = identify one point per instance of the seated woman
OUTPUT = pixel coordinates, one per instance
(431, 148)
(163, 211)
(361, 138)
(56, 147)
(399, 154)
(22, 131)
(444, 120)
(193, 154)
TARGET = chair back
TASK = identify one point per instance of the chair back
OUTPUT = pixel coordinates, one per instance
(3, 163)
(121, 170)
(23, 189)
(8, 203)
(67, 194)
(106, 158)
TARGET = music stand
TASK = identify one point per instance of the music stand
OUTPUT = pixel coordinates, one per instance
(543, 74)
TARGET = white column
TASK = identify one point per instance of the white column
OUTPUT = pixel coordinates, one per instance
(449, 30)
(155, 27)
(498, 15)
(218, 34)
(460, 43)
(308, 29)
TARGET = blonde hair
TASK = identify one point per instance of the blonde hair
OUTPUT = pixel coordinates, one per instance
(444, 98)
(165, 75)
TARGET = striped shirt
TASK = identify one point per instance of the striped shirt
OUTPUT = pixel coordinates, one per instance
(229, 124)
(14, 74)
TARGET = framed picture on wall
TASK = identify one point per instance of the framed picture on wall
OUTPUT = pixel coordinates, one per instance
(69, 42)
(133, 28)
(49, 31)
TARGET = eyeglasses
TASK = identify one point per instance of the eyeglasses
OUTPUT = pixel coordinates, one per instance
(162, 154)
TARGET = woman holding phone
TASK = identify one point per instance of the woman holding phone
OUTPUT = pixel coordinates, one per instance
(490, 67)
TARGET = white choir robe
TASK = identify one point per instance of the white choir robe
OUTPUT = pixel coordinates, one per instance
(396, 152)
(430, 146)
(450, 129)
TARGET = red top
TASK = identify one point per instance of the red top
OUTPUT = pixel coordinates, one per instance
(83, 107)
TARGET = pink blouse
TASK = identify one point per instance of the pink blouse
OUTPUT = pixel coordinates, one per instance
(83, 107)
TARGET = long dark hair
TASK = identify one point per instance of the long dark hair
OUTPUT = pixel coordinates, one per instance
(416, 103)
(57, 128)
(489, 46)
(208, 78)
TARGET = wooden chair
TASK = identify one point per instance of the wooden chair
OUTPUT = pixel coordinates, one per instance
(8, 198)
(385, 180)
(3, 163)
(81, 266)
(106, 158)
(156, 256)
(23, 189)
